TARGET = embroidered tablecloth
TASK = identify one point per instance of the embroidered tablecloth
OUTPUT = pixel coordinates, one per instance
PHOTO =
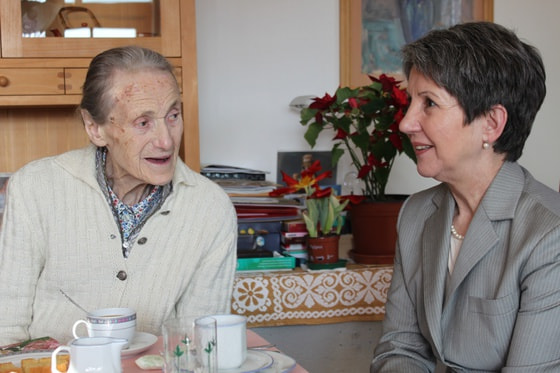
(317, 297)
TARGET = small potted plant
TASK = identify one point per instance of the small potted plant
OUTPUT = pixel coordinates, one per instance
(365, 122)
(323, 214)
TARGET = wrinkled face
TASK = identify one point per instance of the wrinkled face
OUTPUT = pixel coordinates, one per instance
(143, 130)
(446, 149)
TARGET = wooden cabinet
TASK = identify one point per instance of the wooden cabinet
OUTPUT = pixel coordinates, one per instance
(41, 78)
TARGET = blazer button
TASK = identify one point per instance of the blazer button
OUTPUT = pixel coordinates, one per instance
(142, 240)
(121, 275)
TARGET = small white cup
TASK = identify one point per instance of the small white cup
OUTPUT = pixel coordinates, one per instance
(232, 340)
(109, 322)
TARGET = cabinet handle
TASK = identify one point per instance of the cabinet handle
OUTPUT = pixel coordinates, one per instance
(4, 81)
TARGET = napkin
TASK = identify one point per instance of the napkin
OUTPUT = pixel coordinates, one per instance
(36, 344)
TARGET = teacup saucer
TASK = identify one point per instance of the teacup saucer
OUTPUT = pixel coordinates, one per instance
(282, 363)
(255, 362)
(141, 342)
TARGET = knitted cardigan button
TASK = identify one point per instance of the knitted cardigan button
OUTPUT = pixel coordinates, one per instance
(142, 240)
(122, 275)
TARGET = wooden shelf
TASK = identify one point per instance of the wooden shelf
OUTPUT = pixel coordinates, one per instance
(41, 79)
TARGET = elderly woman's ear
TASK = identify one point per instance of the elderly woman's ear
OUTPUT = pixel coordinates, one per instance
(93, 129)
(496, 120)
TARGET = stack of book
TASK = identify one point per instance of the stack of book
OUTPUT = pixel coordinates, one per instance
(293, 240)
(259, 216)
(221, 172)
(249, 193)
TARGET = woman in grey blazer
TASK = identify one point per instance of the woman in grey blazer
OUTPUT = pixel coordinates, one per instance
(476, 284)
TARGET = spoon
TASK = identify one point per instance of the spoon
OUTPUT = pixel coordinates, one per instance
(262, 347)
(72, 301)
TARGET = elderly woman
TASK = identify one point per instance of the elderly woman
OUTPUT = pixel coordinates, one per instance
(121, 223)
(476, 284)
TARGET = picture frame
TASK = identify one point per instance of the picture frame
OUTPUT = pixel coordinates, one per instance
(354, 36)
(293, 162)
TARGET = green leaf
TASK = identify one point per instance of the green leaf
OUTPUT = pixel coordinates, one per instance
(310, 225)
(312, 133)
(177, 351)
(306, 115)
(344, 123)
(344, 93)
(336, 153)
(383, 123)
(361, 140)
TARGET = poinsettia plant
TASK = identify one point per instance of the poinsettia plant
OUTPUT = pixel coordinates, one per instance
(323, 213)
(366, 124)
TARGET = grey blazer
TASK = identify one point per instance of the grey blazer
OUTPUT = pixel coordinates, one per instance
(500, 309)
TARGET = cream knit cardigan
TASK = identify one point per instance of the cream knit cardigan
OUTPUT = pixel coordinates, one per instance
(59, 233)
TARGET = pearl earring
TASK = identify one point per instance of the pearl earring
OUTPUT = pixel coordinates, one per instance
(485, 145)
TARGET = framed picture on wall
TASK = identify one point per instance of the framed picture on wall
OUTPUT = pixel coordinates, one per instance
(293, 163)
(372, 32)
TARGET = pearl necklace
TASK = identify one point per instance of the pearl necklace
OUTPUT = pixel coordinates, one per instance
(458, 236)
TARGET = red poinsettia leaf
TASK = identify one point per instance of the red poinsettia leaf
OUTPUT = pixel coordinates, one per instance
(364, 170)
(354, 199)
(396, 141)
(319, 118)
(322, 103)
(340, 134)
(400, 96)
(387, 82)
(399, 115)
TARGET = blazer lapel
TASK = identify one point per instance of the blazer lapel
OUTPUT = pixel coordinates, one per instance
(499, 203)
(481, 238)
(435, 251)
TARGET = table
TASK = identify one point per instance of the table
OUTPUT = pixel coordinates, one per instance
(253, 339)
(300, 297)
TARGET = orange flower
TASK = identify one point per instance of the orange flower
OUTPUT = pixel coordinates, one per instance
(323, 214)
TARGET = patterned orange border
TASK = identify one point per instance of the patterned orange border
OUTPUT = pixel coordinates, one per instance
(299, 297)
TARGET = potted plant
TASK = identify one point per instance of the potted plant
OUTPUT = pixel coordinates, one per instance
(365, 122)
(323, 214)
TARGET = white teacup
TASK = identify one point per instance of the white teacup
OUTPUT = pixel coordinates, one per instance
(109, 322)
(232, 340)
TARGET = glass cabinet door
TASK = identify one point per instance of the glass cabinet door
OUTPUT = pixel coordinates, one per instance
(83, 28)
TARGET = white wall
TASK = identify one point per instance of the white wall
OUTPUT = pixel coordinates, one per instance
(254, 56)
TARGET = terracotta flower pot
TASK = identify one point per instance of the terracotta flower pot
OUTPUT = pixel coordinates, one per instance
(323, 250)
(374, 231)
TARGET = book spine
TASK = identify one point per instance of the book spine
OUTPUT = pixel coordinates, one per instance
(294, 247)
(248, 264)
(294, 226)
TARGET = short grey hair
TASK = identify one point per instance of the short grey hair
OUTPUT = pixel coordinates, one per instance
(483, 64)
(101, 70)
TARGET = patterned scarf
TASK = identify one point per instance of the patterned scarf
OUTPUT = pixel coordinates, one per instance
(130, 219)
